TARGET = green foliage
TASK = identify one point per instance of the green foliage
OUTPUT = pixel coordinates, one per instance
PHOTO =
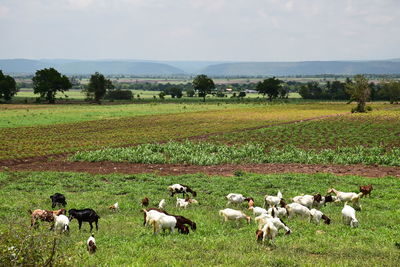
(392, 91)
(359, 91)
(21, 245)
(162, 95)
(122, 240)
(98, 86)
(47, 82)
(211, 154)
(203, 85)
(120, 95)
(270, 87)
(190, 92)
(174, 91)
(8, 87)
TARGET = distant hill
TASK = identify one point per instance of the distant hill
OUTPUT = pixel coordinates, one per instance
(212, 68)
(303, 68)
(19, 66)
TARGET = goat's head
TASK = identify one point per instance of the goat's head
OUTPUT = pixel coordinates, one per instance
(282, 203)
(259, 235)
(326, 219)
(317, 197)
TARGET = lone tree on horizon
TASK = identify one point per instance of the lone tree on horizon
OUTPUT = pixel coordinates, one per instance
(203, 85)
(8, 87)
(97, 87)
(359, 91)
(270, 87)
(47, 82)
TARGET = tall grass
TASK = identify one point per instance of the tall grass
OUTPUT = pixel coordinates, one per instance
(212, 154)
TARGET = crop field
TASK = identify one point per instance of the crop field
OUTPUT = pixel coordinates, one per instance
(54, 138)
(379, 128)
(122, 239)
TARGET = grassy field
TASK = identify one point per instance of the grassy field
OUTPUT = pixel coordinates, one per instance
(70, 137)
(122, 240)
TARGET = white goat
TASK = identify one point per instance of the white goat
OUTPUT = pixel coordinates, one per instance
(317, 215)
(272, 200)
(278, 212)
(298, 209)
(269, 232)
(162, 204)
(152, 215)
(114, 207)
(349, 216)
(163, 222)
(305, 200)
(258, 210)
(278, 223)
(347, 197)
(234, 198)
(181, 203)
(91, 244)
(61, 223)
(231, 214)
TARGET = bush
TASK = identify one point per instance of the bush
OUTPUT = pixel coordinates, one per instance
(22, 246)
(120, 95)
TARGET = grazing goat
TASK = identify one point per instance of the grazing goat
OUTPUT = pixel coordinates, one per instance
(317, 215)
(45, 215)
(278, 212)
(145, 202)
(85, 215)
(180, 188)
(297, 209)
(91, 244)
(269, 232)
(345, 197)
(180, 220)
(57, 199)
(234, 198)
(114, 207)
(271, 201)
(183, 203)
(349, 216)
(258, 210)
(366, 189)
(61, 223)
(250, 202)
(231, 214)
(278, 223)
(309, 201)
(163, 222)
(162, 204)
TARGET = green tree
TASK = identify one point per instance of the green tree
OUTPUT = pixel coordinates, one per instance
(392, 91)
(8, 87)
(190, 92)
(270, 87)
(174, 92)
(203, 85)
(359, 91)
(97, 87)
(47, 82)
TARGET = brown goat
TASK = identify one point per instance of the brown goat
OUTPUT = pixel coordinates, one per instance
(366, 189)
(145, 202)
(45, 215)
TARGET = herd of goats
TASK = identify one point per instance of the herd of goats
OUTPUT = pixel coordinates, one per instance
(269, 218)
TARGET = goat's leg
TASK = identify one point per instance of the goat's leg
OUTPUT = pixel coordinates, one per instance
(80, 224)
(97, 227)
(91, 226)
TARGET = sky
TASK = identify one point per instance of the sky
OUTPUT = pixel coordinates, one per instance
(206, 30)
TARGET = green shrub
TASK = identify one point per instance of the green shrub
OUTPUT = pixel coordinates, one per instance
(120, 95)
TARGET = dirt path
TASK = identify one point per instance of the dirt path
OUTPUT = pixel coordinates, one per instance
(224, 170)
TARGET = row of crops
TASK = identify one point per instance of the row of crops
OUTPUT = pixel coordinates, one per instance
(210, 154)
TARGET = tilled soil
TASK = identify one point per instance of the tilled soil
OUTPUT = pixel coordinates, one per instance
(224, 170)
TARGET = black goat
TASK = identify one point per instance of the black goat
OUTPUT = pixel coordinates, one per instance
(57, 199)
(85, 215)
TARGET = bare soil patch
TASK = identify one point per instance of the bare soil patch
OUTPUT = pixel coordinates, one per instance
(224, 170)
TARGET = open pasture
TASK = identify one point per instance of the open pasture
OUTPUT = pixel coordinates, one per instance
(39, 140)
(122, 239)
